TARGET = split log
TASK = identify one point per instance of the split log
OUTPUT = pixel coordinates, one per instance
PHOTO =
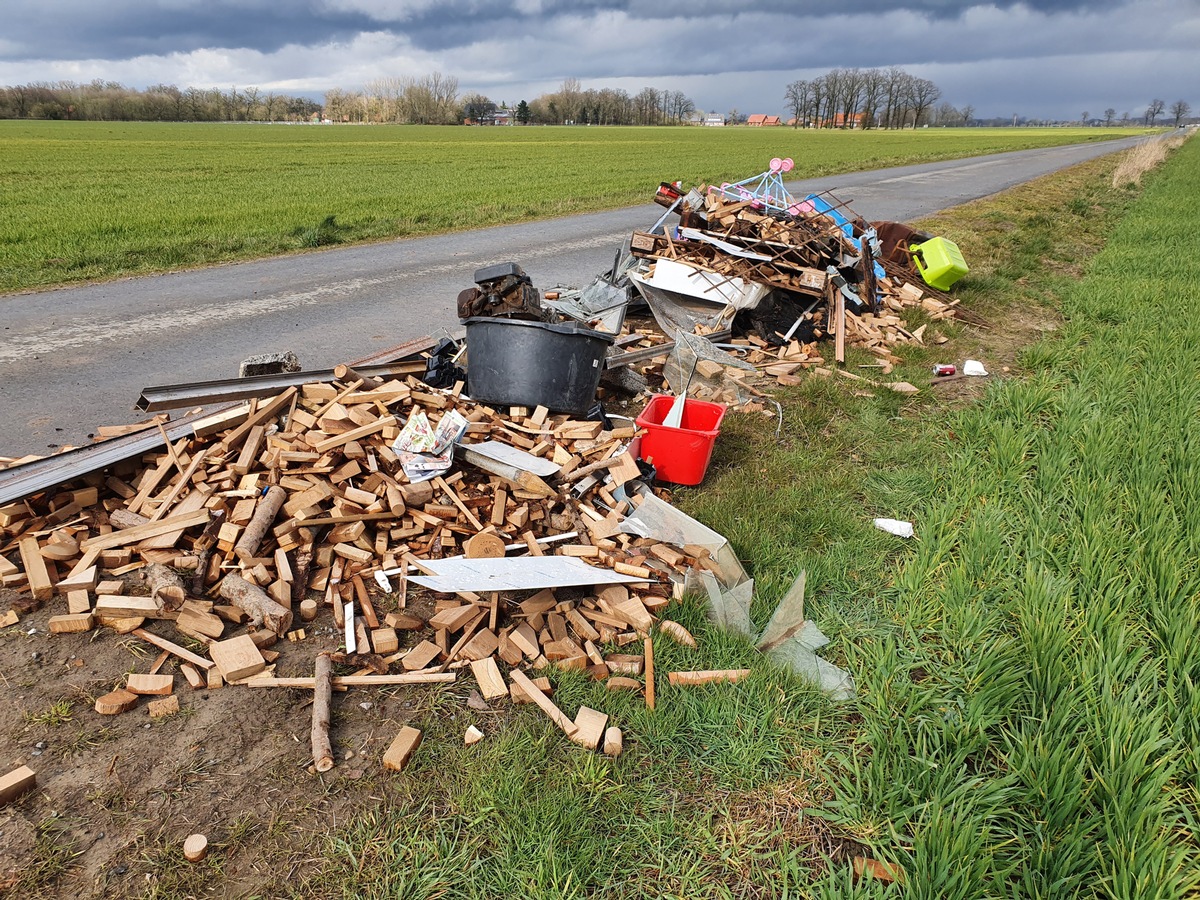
(123, 518)
(304, 559)
(583, 472)
(322, 696)
(263, 611)
(164, 584)
(256, 529)
(204, 548)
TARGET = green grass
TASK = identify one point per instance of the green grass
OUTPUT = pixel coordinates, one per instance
(95, 200)
(1030, 717)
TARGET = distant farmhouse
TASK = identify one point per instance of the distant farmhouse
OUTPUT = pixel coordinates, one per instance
(714, 120)
(761, 121)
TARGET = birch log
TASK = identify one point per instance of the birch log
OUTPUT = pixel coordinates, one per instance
(322, 750)
(256, 529)
(262, 610)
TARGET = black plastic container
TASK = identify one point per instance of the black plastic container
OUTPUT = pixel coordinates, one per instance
(512, 362)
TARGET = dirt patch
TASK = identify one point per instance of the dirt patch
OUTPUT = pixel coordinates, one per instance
(117, 795)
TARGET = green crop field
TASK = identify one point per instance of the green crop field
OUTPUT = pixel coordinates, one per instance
(96, 200)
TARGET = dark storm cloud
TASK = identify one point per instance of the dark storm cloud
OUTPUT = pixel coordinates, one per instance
(121, 29)
(1049, 58)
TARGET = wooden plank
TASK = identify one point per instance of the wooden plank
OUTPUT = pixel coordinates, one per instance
(193, 676)
(237, 657)
(345, 681)
(74, 623)
(455, 617)
(173, 648)
(197, 499)
(182, 482)
(35, 569)
(16, 783)
(491, 682)
(710, 676)
(156, 685)
(396, 757)
(267, 411)
(420, 656)
(192, 621)
(149, 530)
(589, 727)
(631, 610)
(354, 434)
(649, 654)
(544, 703)
(457, 501)
(78, 602)
(613, 741)
(124, 607)
(116, 702)
(384, 640)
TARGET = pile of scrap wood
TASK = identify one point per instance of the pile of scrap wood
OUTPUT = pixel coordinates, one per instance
(818, 263)
(282, 514)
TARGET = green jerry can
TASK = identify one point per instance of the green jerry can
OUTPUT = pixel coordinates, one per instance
(940, 262)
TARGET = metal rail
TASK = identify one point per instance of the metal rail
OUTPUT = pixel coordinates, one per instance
(33, 477)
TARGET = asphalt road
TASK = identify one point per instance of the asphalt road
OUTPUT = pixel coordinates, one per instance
(78, 357)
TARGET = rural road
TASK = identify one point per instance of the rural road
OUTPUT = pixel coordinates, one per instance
(78, 357)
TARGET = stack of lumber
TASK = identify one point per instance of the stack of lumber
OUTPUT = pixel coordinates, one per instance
(276, 516)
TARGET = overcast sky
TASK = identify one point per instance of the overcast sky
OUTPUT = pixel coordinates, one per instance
(1038, 59)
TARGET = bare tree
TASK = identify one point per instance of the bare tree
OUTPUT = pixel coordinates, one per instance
(895, 87)
(1180, 110)
(1084, 117)
(850, 87)
(796, 96)
(386, 92)
(646, 107)
(833, 92)
(874, 84)
(1153, 111)
(968, 115)
(946, 114)
(1108, 116)
(923, 93)
(817, 91)
(249, 100)
(478, 108)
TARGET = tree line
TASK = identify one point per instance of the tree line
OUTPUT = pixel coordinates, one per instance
(841, 98)
(433, 99)
(868, 98)
(109, 101)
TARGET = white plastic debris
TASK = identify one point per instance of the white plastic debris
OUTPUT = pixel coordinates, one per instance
(896, 527)
(974, 367)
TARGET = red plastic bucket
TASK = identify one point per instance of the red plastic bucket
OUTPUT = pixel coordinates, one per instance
(680, 455)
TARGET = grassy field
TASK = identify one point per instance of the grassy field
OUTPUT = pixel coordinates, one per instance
(95, 200)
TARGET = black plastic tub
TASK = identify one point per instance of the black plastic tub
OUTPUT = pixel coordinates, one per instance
(511, 362)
